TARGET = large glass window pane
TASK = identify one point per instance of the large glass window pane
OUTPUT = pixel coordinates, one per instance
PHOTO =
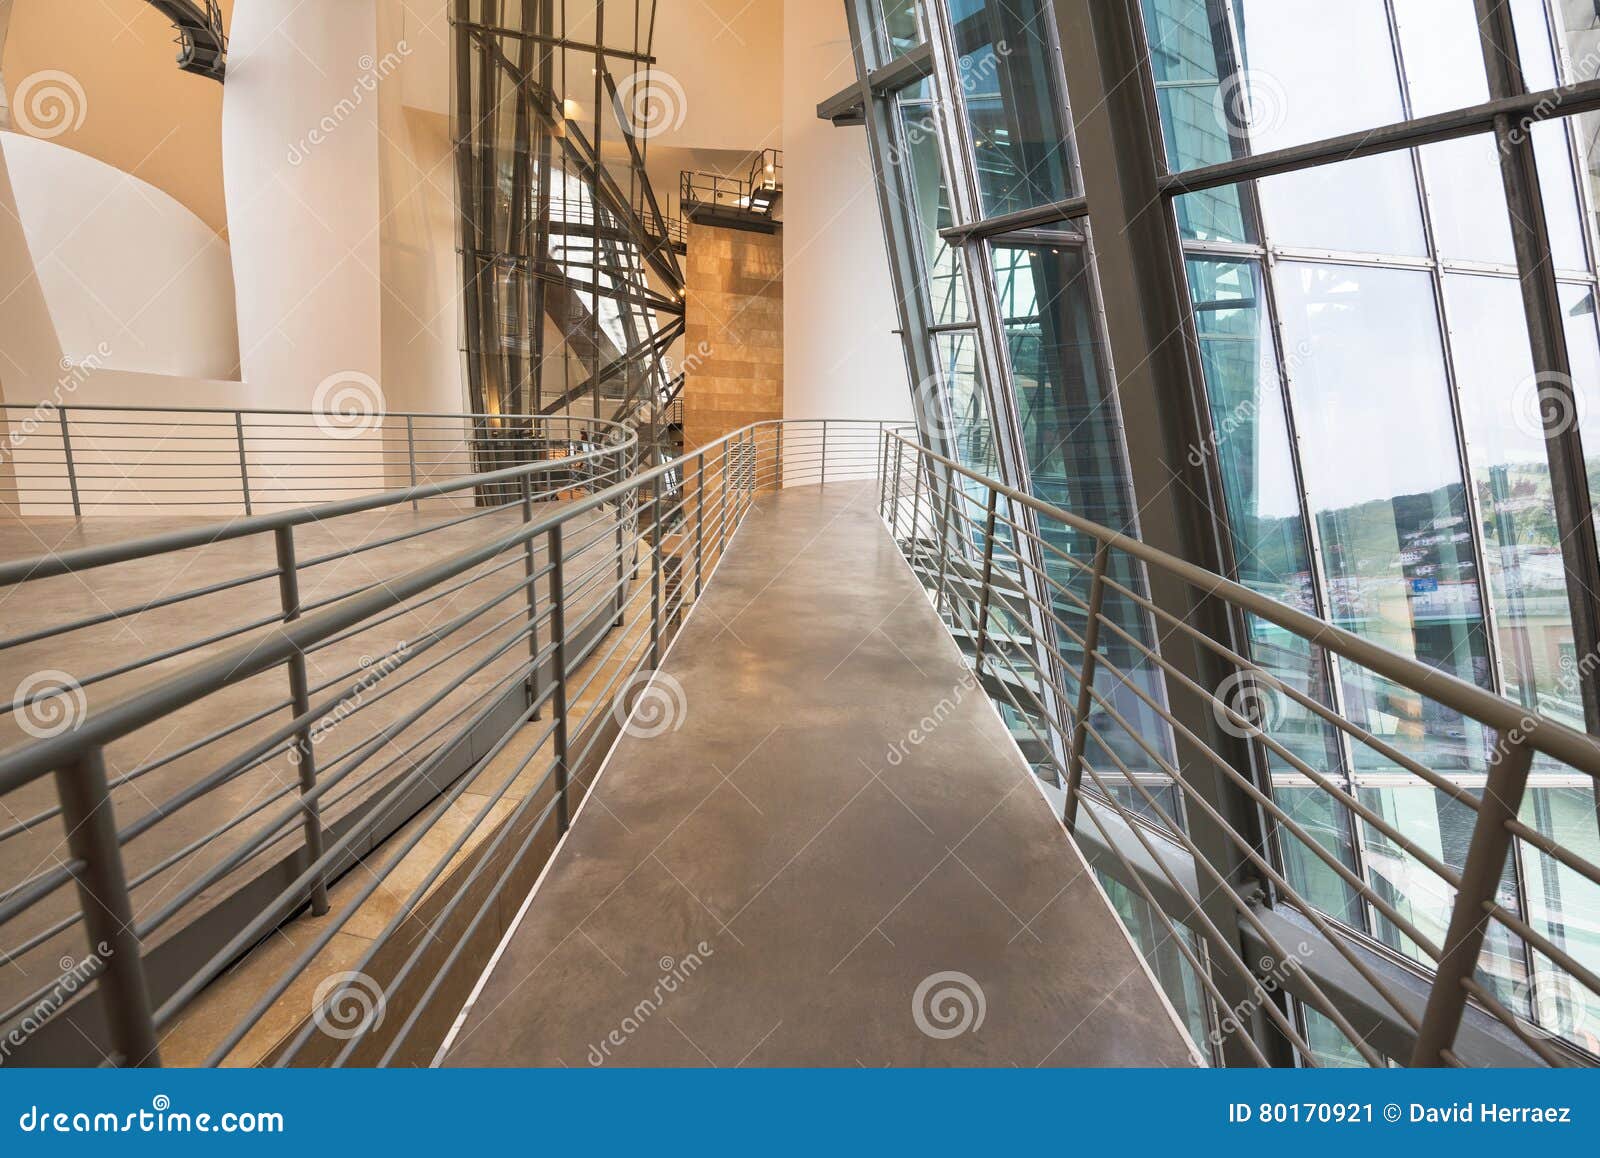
(1443, 827)
(1383, 477)
(919, 146)
(901, 30)
(1016, 112)
(1368, 205)
(1272, 554)
(970, 429)
(1563, 905)
(1500, 413)
(1072, 442)
(1288, 79)
(1184, 61)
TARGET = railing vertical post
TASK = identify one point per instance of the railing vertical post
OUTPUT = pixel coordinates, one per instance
(244, 467)
(988, 583)
(623, 503)
(899, 460)
(824, 452)
(300, 704)
(88, 817)
(700, 528)
(72, 469)
(411, 456)
(883, 471)
(1480, 880)
(656, 564)
(1091, 646)
(944, 546)
(722, 512)
(530, 572)
(916, 507)
(778, 483)
(558, 631)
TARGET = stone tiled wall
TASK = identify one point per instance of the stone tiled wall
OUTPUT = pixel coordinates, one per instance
(733, 340)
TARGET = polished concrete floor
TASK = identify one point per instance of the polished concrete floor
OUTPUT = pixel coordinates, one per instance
(826, 851)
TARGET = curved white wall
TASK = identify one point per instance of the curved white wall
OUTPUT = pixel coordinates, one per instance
(300, 167)
(129, 276)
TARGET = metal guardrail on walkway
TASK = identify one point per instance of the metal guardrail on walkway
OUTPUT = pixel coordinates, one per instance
(76, 460)
(1056, 616)
(625, 552)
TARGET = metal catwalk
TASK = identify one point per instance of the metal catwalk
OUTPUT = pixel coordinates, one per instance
(816, 844)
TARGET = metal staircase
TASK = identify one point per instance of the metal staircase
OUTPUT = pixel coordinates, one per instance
(749, 202)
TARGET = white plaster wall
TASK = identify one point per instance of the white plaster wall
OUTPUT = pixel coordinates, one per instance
(842, 358)
(301, 171)
(129, 275)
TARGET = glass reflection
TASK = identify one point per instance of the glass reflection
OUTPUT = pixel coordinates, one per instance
(1383, 477)
(930, 193)
(1014, 103)
(901, 29)
(1072, 441)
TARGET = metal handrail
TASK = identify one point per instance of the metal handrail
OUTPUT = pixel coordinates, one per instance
(979, 546)
(616, 564)
(1577, 749)
(49, 448)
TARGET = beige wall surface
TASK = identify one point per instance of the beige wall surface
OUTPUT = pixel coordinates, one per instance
(733, 369)
(843, 359)
(137, 111)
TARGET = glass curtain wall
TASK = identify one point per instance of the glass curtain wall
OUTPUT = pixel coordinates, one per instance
(1377, 432)
(1389, 471)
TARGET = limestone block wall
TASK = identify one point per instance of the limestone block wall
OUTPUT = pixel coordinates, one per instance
(733, 338)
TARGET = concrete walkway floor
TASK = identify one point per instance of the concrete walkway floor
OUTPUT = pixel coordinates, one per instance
(821, 848)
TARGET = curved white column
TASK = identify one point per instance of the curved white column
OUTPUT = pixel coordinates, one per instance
(300, 150)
